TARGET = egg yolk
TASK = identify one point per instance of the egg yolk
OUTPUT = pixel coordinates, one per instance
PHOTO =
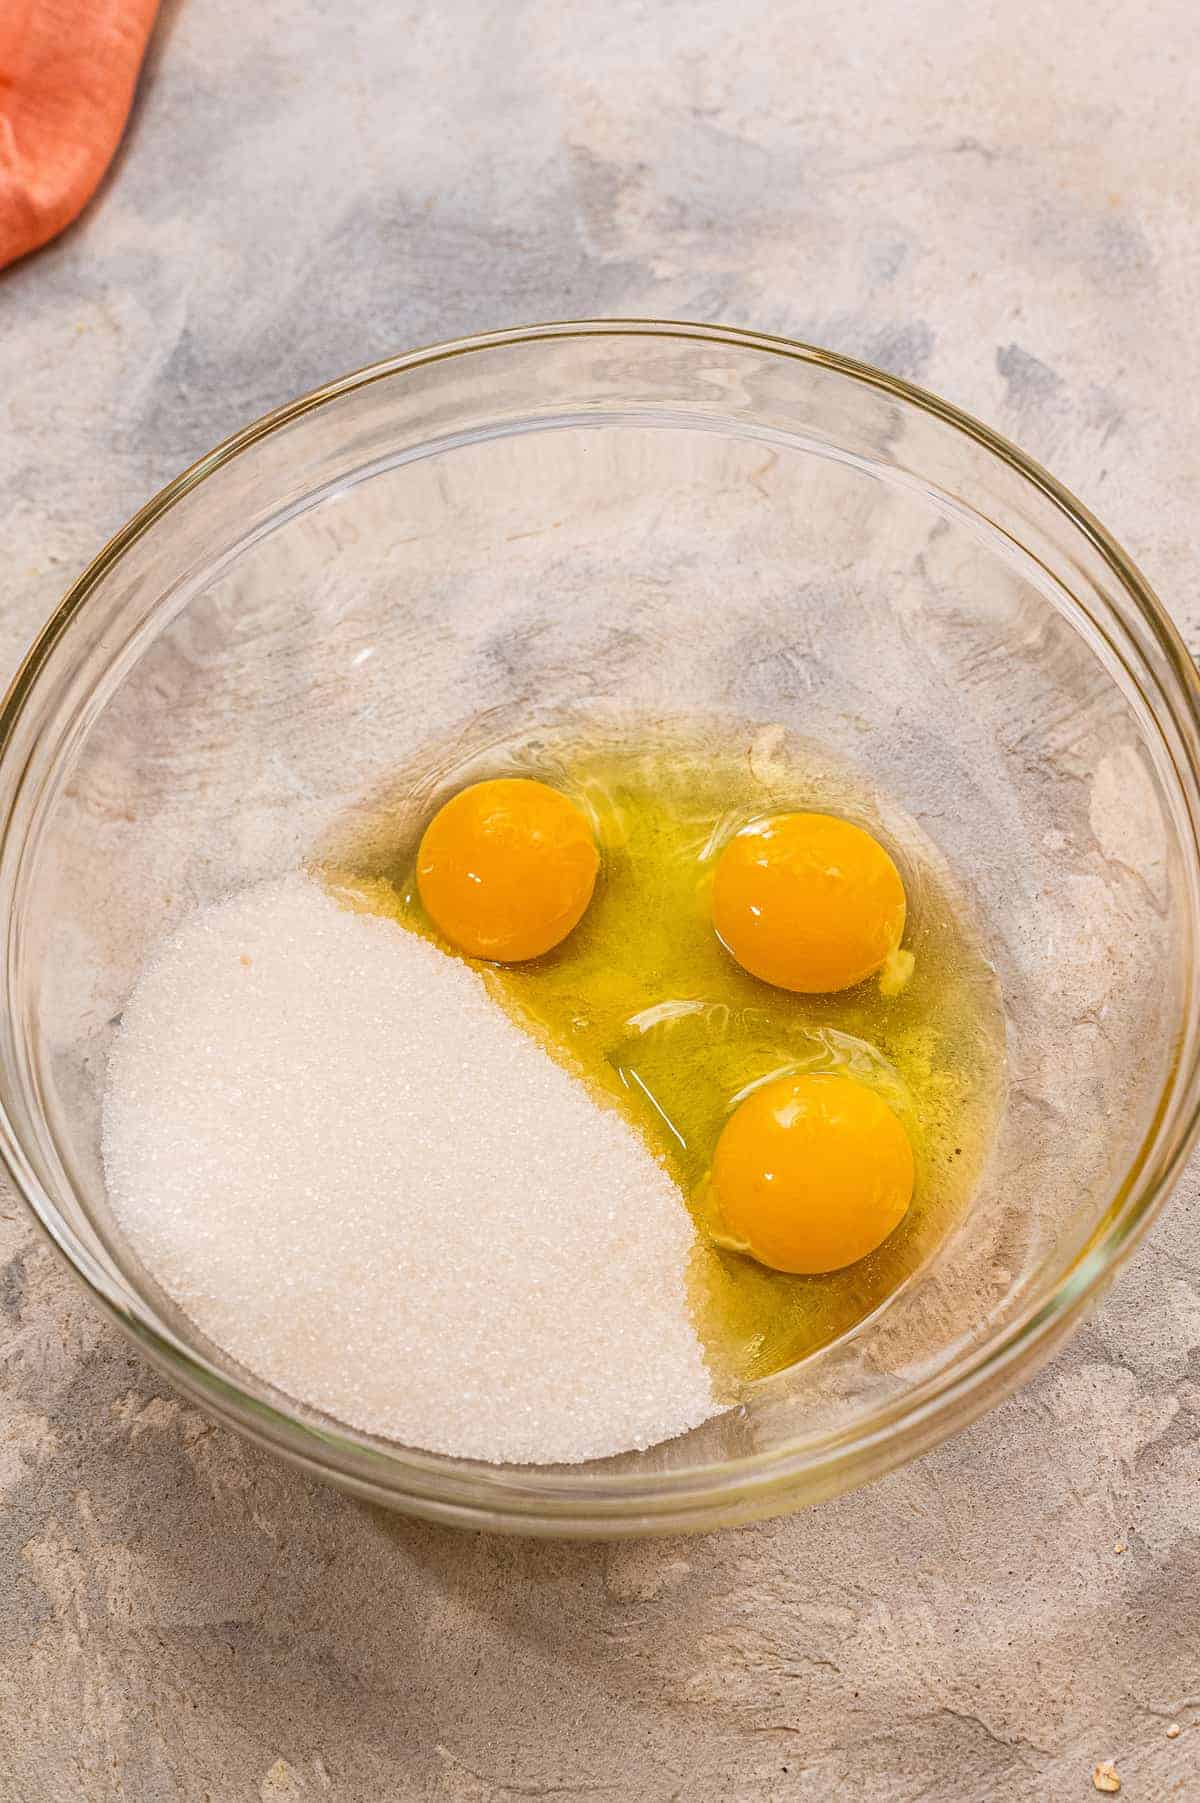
(811, 1173)
(506, 869)
(808, 902)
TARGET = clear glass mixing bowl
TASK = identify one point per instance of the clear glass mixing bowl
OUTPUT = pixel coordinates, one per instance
(650, 517)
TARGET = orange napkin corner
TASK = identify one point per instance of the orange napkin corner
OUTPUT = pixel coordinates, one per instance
(68, 69)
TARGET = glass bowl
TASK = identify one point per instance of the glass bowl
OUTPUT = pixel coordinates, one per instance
(655, 518)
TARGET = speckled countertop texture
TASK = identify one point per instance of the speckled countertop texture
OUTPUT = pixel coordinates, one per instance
(998, 200)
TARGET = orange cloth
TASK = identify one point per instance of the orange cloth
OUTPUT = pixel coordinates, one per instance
(67, 75)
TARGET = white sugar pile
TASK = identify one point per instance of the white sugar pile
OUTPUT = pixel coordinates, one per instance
(360, 1178)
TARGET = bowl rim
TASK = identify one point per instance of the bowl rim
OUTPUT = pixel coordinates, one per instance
(590, 1500)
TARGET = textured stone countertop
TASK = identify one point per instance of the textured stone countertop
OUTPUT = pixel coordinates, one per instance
(1001, 201)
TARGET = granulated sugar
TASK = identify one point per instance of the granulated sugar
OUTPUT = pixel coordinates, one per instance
(360, 1178)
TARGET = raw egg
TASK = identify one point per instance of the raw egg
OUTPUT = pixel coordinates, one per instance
(506, 869)
(811, 1173)
(808, 902)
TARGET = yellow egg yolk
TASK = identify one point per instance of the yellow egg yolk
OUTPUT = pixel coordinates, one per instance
(506, 869)
(809, 902)
(811, 1173)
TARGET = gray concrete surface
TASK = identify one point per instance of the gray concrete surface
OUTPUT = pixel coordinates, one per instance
(1001, 201)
